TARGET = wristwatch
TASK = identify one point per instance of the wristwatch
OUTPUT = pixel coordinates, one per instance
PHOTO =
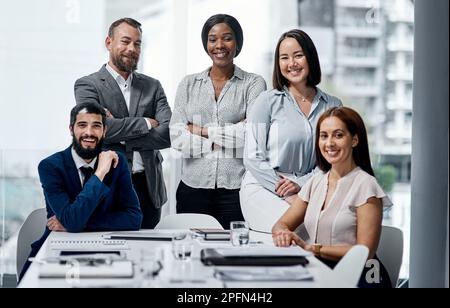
(316, 249)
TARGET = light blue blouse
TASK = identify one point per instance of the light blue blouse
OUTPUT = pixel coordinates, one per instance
(280, 138)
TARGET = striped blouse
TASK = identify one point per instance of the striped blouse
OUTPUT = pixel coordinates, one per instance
(216, 161)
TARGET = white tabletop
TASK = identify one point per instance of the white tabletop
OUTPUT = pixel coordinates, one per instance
(174, 274)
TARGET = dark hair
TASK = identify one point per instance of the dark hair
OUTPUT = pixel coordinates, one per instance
(231, 22)
(129, 21)
(92, 108)
(310, 52)
(355, 126)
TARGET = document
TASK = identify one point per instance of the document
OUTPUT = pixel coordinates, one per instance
(264, 251)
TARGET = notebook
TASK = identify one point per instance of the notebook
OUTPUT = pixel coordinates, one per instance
(247, 257)
(92, 245)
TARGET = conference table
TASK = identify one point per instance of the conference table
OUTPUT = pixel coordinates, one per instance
(172, 273)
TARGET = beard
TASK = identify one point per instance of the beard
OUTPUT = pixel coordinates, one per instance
(128, 67)
(87, 153)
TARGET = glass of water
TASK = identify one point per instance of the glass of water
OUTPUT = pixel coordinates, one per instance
(182, 245)
(240, 233)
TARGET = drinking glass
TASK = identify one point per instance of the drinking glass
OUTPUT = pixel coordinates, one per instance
(240, 233)
(182, 245)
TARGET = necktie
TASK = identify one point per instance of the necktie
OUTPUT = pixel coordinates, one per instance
(87, 172)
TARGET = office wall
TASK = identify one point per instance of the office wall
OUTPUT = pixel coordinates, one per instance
(46, 45)
(429, 213)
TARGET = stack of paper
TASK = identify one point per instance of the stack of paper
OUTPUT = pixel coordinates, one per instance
(264, 251)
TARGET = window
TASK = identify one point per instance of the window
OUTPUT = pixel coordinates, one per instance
(60, 41)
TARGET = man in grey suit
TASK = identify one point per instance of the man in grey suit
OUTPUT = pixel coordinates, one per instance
(138, 114)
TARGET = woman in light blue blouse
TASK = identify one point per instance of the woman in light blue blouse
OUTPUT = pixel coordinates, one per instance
(208, 125)
(279, 151)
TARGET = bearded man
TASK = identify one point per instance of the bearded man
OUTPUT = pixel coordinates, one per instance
(138, 114)
(85, 188)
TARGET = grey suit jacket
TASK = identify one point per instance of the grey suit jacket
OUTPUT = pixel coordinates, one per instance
(147, 100)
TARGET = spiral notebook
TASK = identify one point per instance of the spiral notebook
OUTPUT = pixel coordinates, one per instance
(90, 245)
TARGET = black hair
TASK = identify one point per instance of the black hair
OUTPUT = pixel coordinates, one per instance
(89, 107)
(310, 52)
(231, 22)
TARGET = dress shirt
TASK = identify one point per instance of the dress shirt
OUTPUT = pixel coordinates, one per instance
(80, 163)
(125, 87)
(281, 138)
(206, 165)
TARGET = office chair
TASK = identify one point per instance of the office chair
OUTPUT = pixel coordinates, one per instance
(390, 251)
(30, 231)
(350, 267)
(187, 221)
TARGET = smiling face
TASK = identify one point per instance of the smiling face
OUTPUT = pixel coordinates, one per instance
(124, 48)
(336, 143)
(221, 45)
(293, 63)
(87, 134)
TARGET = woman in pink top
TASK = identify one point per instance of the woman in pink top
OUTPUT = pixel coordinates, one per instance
(341, 206)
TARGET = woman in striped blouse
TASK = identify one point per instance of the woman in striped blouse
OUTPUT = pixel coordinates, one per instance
(208, 125)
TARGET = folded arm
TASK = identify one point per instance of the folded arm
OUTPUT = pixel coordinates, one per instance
(189, 144)
(127, 214)
(123, 129)
(158, 137)
(233, 135)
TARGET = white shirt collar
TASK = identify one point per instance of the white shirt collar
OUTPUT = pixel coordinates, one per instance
(117, 77)
(79, 162)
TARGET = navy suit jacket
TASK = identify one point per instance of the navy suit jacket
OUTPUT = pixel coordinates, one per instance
(111, 205)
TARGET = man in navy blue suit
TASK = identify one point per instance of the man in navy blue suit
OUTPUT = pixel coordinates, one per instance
(86, 189)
